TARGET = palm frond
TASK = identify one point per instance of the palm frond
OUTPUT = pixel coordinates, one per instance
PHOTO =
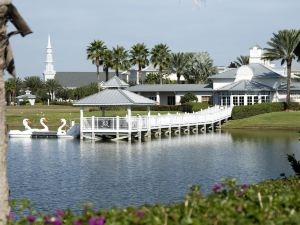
(295, 164)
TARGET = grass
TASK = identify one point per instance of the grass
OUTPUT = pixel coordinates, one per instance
(275, 120)
(16, 114)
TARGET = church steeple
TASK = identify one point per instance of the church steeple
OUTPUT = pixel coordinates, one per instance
(49, 72)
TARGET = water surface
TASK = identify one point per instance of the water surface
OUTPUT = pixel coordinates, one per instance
(64, 173)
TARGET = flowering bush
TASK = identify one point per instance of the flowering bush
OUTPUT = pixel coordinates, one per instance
(269, 202)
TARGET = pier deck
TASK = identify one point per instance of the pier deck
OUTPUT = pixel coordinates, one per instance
(137, 126)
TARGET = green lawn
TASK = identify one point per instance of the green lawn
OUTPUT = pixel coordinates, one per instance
(275, 120)
(16, 114)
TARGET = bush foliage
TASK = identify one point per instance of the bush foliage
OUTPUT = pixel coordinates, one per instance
(240, 112)
(194, 106)
(188, 97)
(269, 202)
(244, 111)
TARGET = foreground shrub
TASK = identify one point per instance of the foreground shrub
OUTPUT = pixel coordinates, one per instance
(244, 111)
(194, 106)
(269, 202)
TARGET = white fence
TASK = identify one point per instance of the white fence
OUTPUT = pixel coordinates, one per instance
(141, 123)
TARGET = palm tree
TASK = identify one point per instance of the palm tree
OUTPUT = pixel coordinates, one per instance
(107, 62)
(199, 68)
(242, 60)
(95, 52)
(178, 63)
(160, 56)
(282, 45)
(12, 88)
(52, 86)
(120, 59)
(139, 56)
(34, 83)
(9, 90)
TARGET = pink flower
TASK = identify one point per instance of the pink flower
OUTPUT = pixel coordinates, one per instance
(140, 213)
(97, 221)
(217, 187)
(77, 222)
(57, 221)
(10, 216)
(244, 186)
(60, 213)
(31, 218)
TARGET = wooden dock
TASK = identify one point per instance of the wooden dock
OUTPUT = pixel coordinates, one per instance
(47, 134)
(130, 127)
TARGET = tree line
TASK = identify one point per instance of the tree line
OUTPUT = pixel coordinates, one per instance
(50, 89)
(194, 67)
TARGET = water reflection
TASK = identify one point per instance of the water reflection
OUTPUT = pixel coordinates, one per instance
(65, 173)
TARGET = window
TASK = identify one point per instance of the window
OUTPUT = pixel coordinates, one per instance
(255, 99)
(171, 100)
(205, 98)
(153, 98)
(241, 100)
(265, 98)
(249, 100)
(225, 100)
(235, 100)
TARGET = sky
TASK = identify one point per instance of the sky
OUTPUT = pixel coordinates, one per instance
(223, 28)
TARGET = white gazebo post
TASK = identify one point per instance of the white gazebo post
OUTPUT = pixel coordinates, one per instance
(149, 121)
(158, 98)
(81, 122)
(129, 122)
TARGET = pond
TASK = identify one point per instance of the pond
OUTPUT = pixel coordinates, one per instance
(65, 173)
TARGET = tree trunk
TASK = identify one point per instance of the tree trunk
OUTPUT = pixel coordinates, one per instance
(117, 72)
(160, 75)
(288, 82)
(106, 74)
(98, 74)
(178, 78)
(4, 206)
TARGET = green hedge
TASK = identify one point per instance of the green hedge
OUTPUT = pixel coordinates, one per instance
(194, 106)
(269, 202)
(240, 112)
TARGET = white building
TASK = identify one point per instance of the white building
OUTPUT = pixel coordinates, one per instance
(49, 72)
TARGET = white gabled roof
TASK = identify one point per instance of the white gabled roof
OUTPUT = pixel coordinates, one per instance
(115, 97)
(115, 82)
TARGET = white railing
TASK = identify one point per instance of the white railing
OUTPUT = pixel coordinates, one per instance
(137, 123)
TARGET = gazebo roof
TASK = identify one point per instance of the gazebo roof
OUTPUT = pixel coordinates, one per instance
(115, 82)
(115, 97)
(27, 95)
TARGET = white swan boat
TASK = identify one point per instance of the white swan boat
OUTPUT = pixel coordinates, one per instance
(22, 134)
(63, 133)
(29, 132)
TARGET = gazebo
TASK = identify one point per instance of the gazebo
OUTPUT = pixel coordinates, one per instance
(114, 94)
(27, 96)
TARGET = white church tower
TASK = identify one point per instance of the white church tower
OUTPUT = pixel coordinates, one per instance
(49, 72)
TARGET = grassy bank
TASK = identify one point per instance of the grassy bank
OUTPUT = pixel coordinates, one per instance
(274, 120)
(269, 202)
(16, 114)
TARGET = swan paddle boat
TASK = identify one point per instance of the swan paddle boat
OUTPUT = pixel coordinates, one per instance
(22, 134)
(29, 132)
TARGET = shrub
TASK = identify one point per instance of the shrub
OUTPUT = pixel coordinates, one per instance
(240, 112)
(194, 106)
(292, 106)
(188, 97)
